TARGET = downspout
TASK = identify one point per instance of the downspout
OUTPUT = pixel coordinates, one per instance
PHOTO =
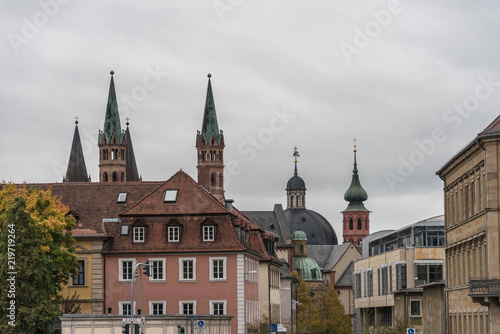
(446, 318)
(486, 226)
(269, 287)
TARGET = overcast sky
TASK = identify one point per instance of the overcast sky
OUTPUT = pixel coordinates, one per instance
(413, 81)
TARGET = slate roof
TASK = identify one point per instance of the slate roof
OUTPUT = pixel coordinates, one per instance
(346, 279)
(272, 221)
(319, 231)
(493, 128)
(77, 171)
(327, 256)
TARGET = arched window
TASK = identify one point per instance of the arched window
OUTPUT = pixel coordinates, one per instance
(212, 180)
(105, 177)
(221, 180)
(298, 201)
(123, 154)
(112, 154)
(351, 225)
(291, 201)
(313, 272)
(301, 249)
(359, 224)
(115, 177)
(122, 177)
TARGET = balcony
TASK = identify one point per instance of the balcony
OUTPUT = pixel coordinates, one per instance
(485, 290)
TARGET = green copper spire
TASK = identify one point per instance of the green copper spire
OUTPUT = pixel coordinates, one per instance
(112, 124)
(210, 128)
(355, 195)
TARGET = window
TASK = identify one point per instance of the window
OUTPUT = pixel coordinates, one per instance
(208, 233)
(187, 307)
(217, 269)
(79, 279)
(122, 197)
(218, 307)
(157, 307)
(428, 273)
(385, 285)
(105, 177)
(139, 234)
(357, 282)
(170, 195)
(173, 233)
(351, 224)
(401, 276)
(369, 278)
(157, 270)
(359, 224)
(126, 266)
(415, 308)
(125, 230)
(125, 308)
(187, 269)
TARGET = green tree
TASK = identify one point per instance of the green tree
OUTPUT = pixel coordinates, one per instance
(328, 314)
(304, 305)
(37, 258)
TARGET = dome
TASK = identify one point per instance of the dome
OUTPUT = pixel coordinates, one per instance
(296, 183)
(299, 235)
(317, 229)
(355, 193)
(307, 268)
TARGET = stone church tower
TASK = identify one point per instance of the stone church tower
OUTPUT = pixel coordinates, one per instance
(356, 221)
(210, 147)
(116, 154)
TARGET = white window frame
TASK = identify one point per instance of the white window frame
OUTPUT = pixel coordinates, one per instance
(121, 304)
(151, 302)
(224, 268)
(120, 266)
(122, 198)
(224, 302)
(163, 273)
(181, 269)
(420, 304)
(171, 229)
(181, 305)
(209, 233)
(137, 237)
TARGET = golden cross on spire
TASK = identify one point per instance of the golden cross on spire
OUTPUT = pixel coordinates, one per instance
(127, 119)
(355, 140)
(76, 119)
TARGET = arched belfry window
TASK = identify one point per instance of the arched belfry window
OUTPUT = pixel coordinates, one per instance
(212, 180)
(351, 224)
(359, 224)
(301, 249)
(115, 177)
(221, 180)
(105, 177)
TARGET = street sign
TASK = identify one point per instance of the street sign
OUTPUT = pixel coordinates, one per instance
(131, 319)
(273, 328)
(201, 326)
(410, 331)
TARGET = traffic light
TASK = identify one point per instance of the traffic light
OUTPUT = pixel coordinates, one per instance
(147, 269)
(126, 329)
(182, 330)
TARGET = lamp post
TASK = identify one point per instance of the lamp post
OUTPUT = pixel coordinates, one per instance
(147, 272)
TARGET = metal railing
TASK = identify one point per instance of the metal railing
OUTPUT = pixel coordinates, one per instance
(484, 286)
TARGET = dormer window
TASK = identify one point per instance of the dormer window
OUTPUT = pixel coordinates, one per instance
(122, 197)
(170, 195)
(139, 234)
(173, 233)
(208, 233)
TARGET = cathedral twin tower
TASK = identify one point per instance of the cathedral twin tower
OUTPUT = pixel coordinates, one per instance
(117, 163)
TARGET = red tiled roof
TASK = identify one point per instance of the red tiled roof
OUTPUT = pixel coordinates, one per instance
(191, 199)
(91, 202)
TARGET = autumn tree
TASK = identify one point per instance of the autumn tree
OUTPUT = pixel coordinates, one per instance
(37, 258)
(328, 314)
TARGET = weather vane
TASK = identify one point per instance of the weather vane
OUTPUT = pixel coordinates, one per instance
(76, 119)
(355, 140)
(295, 154)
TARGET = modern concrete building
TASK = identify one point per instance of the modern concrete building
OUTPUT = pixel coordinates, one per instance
(389, 280)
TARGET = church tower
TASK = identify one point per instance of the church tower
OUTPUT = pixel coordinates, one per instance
(356, 221)
(116, 157)
(296, 188)
(210, 147)
(77, 171)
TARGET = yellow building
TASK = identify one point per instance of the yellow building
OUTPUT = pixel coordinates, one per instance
(472, 204)
(388, 279)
